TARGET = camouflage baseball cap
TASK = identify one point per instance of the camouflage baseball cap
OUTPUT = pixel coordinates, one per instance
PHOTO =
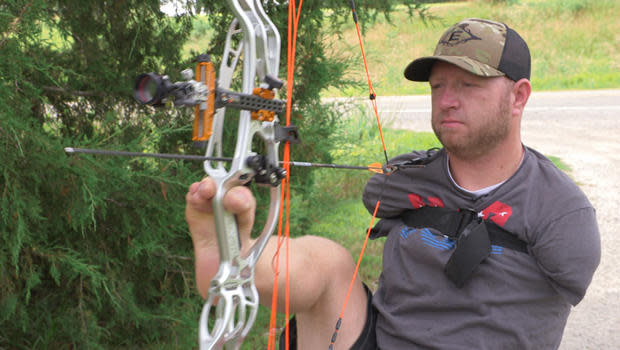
(482, 47)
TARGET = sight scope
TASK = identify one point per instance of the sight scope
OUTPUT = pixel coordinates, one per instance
(154, 90)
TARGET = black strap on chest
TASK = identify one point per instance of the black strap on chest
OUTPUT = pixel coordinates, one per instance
(452, 222)
(473, 237)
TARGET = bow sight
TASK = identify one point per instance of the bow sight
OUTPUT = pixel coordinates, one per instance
(155, 90)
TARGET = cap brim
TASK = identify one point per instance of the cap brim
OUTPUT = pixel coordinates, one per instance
(420, 69)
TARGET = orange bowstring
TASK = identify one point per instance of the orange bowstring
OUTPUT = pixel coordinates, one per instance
(373, 100)
(293, 22)
(355, 272)
(371, 89)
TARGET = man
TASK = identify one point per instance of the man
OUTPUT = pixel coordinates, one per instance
(488, 245)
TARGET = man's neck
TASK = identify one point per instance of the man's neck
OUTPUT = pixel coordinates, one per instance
(486, 170)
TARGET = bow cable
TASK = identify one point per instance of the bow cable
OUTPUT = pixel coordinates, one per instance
(293, 22)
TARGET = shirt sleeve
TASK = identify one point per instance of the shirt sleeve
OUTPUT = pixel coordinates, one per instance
(392, 189)
(568, 251)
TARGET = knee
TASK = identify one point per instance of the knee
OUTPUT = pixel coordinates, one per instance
(317, 266)
(329, 263)
(328, 256)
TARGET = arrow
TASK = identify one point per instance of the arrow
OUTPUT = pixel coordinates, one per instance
(374, 167)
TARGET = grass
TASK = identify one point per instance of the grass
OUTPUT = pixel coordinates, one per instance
(574, 43)
(200, 38)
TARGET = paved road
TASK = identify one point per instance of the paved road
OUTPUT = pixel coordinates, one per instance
(583, 129)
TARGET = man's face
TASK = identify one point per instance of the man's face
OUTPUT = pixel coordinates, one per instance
(471, 115)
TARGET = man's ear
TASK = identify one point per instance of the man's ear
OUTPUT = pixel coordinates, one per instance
(521, 90)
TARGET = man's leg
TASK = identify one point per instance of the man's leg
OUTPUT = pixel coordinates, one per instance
(320, 274)
(320, 270)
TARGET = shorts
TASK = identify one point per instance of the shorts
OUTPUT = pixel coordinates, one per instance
(366, 341)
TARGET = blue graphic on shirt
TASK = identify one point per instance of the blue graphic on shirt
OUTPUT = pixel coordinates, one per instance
(439, 242)
(407, 231)
(428, 238)
(495, 249)
(435, 241)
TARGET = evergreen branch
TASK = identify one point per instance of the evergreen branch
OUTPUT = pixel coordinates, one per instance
(179, 257)
(69, 91)
(14, 24)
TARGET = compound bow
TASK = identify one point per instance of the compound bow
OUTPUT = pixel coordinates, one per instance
(232, 291)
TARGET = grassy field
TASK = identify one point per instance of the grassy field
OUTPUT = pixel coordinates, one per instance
(574, 43)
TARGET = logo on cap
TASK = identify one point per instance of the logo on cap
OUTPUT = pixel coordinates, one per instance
(460, 35)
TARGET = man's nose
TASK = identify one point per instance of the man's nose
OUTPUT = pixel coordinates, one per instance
(448, 97)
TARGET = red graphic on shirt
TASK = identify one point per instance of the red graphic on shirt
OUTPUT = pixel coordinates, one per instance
(435, 202)
(418, 202)
(497, 212)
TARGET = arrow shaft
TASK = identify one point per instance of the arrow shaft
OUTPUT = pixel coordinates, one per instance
(73, 150)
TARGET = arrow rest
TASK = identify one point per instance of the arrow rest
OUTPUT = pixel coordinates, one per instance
(266, 173)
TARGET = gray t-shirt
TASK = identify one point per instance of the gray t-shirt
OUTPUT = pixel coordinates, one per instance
(513, 300)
